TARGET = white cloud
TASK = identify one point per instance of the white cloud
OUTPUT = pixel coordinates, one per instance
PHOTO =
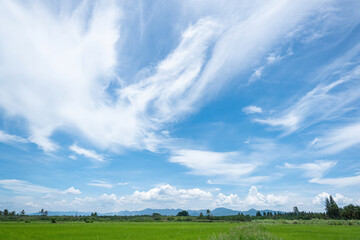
(253, 199)
(72, 190)
(328, 100)
(292, 119)
(8, 138)
(337, 182)
(339, 199)
(340, 138)
(163, 196)
(169, 193)
(252, 109)
(313, 170)
(61, 72)
(21, 186)
(87, 153)
(273, 58)
(256, 74)
(25, 187)
(99, 183)
(32, 204)
(212, 163)
(122, 183)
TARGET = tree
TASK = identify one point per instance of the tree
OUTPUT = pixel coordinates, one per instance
(183, 213)
(258, 214)
(349, 211)
(1, 213)
(6, 212)
(41, 211)
(331, 208)
(201, 216)
(22, 212)
(296, 210)
(208, 213)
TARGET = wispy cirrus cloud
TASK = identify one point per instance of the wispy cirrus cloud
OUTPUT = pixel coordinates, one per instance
(338, 181)
(8, 138)
(252, 109)
(25, 187)
(328, 100)
(313, 170)
(65, 80)
(339, 138)
(91, 154)
(100, 183)
(212, 163)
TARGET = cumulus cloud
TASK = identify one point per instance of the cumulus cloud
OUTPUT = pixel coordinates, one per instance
(252, 109)
(157, 197)
(313, 170)
(170, 193)
(72, 190)
(253, 199)
(86, 153)
(339, 199)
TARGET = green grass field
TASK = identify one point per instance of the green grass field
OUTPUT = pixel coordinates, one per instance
(111, 231)
(314, 232)
(174, 230)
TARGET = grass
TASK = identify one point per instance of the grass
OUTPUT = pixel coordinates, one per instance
(283, 230)
(314, 232)
(265, 230)
(112, 231)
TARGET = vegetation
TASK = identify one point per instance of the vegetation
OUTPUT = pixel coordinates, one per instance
(113, 230)
(334, 223)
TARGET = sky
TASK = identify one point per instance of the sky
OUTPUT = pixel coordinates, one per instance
(126, 105)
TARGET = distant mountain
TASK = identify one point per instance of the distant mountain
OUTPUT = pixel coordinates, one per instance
(165, 212)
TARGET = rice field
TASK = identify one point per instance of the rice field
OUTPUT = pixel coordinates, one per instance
(175, 230)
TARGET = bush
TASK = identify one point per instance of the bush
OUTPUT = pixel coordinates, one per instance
(246, 232)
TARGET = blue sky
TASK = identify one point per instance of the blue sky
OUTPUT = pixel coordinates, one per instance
(108, 106)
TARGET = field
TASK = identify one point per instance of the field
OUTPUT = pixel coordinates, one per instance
(174, 230)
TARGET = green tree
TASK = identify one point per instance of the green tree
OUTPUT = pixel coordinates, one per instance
(22, 212)
(6, 212)
(208, 213)
(183, 213)
(349, 211)
(296, 210)
(258, 214)
(331, 208)
(201, 216)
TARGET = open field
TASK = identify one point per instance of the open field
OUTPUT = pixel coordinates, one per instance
(175, 230)
(112, 231)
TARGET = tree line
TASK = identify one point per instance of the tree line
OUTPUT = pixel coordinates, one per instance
(332, 211)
